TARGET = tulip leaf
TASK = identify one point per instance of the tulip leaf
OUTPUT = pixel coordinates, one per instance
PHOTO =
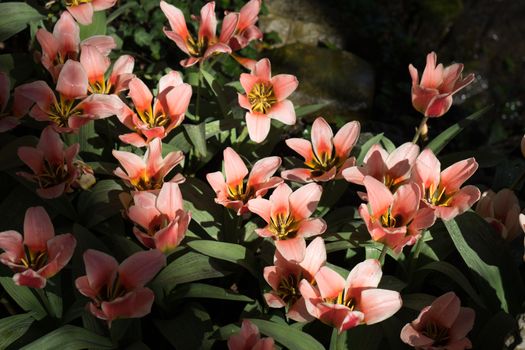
(234, 253)
(15, 18)
(197, 135)
(71, 338)
(99, 203)
(97, 26)
(201, 290)
(218, 91)
(287, 336)
(488, 259)
(440, 141)
(303, 111)
(23, 297)
(13, 327)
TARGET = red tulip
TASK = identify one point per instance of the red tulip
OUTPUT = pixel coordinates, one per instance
(39, 255)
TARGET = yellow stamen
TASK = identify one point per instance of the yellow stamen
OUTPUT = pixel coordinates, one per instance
(62, 110)
(283, 226)
(262, 97)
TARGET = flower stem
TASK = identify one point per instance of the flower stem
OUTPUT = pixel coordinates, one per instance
(419, 129)
(415, 253)
(198, 102)
(338, 341)
(383, 254)
(44, 300)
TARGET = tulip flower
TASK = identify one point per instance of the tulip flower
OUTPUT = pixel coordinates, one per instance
(266, 99)
(393, 169)
(288, 214)
(82, 10)
(249, 339)
(7, 121)
(394, 219)
(432, 96)
(326, 156)
(207, 43)
(344, 305)
(160, 220)
(235, 192)
(96, 65)
(442, 325)
(501, 210)
(72, 109)
(441, 190)
(246, 30)
(284, 278)
(39, 254)
(117, 291)
(52, 165)
(148, 173)
(155, 118)
(64, 43)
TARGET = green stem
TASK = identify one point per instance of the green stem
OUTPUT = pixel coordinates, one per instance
(338, 341)
(44, 300)
(383, 254)
(198, 102)
(419, 129)
(415, 253)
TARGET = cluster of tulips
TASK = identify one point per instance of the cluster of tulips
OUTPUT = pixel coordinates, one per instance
(404, 191)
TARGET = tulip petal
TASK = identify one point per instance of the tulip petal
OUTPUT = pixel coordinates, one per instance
(229, 24)
(67, 34)
(169, 200)
(304, 200)
(284, 85)
(134, 304)
(100, 5)
(329, 282)
(234, 168)
(176, 19)
(346, 138)
(311, 227)
(379, 304)
(11, 243)
(94, 63)
(314, 258)
(101, 268)
(455, 175)
(284, 112)
(208, 22)
(292, 249)
(263, 70)
(261, 207)
(73, 81)
(379, 197)
(248, 81)
(38, 229)
(258, 126)
(60, 249)
(263, 170)
(83, 13)
(132, 163)
(140, 268)
(298, 175)
(29, 278)
(366, 274)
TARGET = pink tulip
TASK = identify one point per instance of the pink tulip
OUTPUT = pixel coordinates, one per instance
(7, 121)
(266, 99)
(207, 43)
(96, 65)
(117, 291)
(160, 219)
(394, 219)
(235, 193)
(82, 10)
(148, 173)
(441, 189)
(284, 278)
(52, 165)
(344, 305)
(73, 108)
(246, 30)
(39, 255)
(249, 339)
(501, 210)
(433, 95)
(155, 118)
(326, 156)
(392, 169)
(288, 214)
(442, 325)
(64, 43)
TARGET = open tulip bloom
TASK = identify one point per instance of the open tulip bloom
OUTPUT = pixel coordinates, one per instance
(265, 99)
(394, 219)
(327, 155)
(249, 338)
(64, 43)
(441, 326)
(441, 190)
(39, 254)
(155, 118)
(284, 277)
(117, 291)
(246, 30)
(206, 44)
(501, 210)
(82, 10)
(432, 96)
(73, 108)
(160, 219)
(148, 173)
(234, 192)
(288, 214)
(346, 304)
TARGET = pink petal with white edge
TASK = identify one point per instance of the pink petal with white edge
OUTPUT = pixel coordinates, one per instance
(249, 13)
(38, 229)
(234, 168)
(261, 207)
(99, 106)
(177, 100)
(103, 43)
(83, 13)
(427, 169)
(273, 300)
(322, 137)
(29, 278)
(258, 126)
(284, 85)
(67, 33)
(170, 237)
(298, 312)
(379, 197)
(463, 200)
(284, 112)
(216, 181)
(329, 282)
(304, 200)
(406, 202)
(292, 249)
(134, 304)
(36, 92)
(172, 79)
(346, 138)
(171, 160)
(379, 304)
(140, 268)
(73, 81)
(433, 74)
(243, 101)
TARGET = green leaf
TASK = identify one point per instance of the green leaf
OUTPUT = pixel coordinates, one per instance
(15, 18)
(201, 290)
(387, 144)
(23, 297)
(13, 327)
(100, 202)
(97, 26)
(218, 91)
(309, 109)
(197, 135)
(234, 253)
(120, 10)
(287, 336)
(71, 338)
(440, 141)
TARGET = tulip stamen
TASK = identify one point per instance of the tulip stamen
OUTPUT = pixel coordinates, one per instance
(61, 111)
(288, 289)
(197, 48)
(145, 183)
(34, 260)
(77, 2)
(153, 119)
(283, 226)
(262, 97)
(438, 196)
(437, 332)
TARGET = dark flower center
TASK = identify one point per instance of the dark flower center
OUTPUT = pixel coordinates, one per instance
(61, 111)
(437, 332)
(284, 226)
(34, 260)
